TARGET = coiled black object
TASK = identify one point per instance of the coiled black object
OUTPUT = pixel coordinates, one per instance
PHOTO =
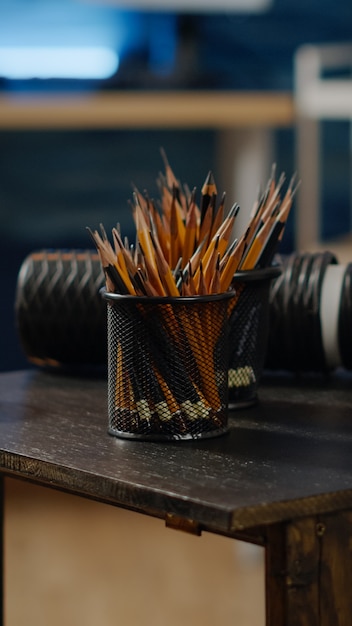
(60, 317)
(345, 319)
(310, 320)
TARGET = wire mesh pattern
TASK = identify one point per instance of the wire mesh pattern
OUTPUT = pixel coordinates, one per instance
(167, 366)
(60, 319)
(248, 335)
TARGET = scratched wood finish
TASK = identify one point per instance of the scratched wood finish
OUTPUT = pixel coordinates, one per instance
(309, 571)
(302, 573)
(289, 457)
(336, 569)
(292, 578)
(275, 572)
(282, 477)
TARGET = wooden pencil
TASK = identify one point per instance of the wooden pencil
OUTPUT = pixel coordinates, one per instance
(208, 190)
(179, 235)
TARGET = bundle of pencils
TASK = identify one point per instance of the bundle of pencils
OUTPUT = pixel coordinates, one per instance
(171, 378)
(185, 248)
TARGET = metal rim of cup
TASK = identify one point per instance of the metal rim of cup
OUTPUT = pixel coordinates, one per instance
(266, 273)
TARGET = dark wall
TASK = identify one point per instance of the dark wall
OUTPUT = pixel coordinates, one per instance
(54, 184)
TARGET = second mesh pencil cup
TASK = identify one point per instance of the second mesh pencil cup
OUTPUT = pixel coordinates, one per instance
(248, 333)
(167, 366)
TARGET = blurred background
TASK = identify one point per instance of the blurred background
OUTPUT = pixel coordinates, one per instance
(56, 179)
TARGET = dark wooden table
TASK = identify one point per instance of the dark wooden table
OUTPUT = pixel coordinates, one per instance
(281, 478)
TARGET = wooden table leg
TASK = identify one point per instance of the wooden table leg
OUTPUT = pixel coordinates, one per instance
(2, 563)
(309, 572)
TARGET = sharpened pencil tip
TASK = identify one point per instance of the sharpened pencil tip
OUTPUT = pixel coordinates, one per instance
(209, 182)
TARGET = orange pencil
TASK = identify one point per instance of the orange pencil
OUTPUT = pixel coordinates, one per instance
(208, 190)
(255, 248)
(209, 268)
(232, 264)
(143, 235)
(218, 218)
(177, 233)
(221, 239)
(207, 221)
(215, 284)
(164, 270)
(190, 234)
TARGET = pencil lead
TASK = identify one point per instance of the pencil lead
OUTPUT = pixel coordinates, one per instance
(103, 232)
(92, 235)
(208, 189)
(170, 176)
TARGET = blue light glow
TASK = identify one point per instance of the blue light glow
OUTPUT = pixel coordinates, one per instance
(24, 63)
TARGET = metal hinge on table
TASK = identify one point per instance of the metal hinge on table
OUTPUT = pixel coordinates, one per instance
(181, 523)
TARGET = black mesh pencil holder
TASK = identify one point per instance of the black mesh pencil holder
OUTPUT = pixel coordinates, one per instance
(248, 334)
(61, 321)
(167, 366)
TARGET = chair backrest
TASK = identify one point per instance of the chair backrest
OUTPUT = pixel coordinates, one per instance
(322, 91)
(319, 96)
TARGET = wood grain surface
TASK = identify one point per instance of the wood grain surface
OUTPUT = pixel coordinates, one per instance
(289, 456)
(282, 478)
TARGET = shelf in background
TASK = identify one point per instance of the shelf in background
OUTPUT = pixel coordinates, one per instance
(145, 109)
